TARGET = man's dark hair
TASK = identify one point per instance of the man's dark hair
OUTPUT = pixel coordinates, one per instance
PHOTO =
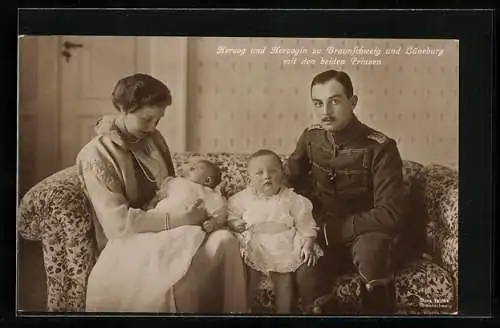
(339, 76)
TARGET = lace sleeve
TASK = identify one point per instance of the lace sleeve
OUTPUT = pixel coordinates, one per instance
(302, 214)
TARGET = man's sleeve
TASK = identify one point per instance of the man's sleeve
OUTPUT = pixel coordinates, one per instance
(389, 197)
(297, 166)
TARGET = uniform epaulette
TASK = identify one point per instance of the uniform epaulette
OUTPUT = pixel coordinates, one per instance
(315, 127)
(377, 136)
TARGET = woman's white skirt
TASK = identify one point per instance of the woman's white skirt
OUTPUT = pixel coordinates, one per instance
(137, 273)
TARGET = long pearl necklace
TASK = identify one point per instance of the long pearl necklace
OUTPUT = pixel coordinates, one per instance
(144, 170)
(128, 136)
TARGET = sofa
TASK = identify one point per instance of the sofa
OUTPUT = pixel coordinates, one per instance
(57, 213)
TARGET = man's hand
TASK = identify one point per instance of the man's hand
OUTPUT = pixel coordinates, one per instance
(237, 225)
(308, 255)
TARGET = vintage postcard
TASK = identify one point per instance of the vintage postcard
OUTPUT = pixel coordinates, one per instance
(359, 215)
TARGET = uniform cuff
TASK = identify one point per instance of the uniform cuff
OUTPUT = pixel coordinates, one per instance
(348, 229)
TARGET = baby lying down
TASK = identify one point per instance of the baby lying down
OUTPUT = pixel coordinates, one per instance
(199, 182)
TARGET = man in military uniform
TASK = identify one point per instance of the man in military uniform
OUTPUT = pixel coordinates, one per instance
(353, 176)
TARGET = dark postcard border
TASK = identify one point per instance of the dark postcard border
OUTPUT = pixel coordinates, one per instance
(227, 22)
(474, 29)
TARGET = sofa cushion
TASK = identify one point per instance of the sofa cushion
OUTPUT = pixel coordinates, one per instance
(421, 287)
(423, 284)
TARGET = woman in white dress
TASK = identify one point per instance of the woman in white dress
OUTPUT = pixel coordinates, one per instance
(121, 169)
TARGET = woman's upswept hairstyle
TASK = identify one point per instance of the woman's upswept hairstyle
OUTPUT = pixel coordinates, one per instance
(138, 90)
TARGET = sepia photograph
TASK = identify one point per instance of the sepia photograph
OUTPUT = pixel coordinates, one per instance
(238, 175)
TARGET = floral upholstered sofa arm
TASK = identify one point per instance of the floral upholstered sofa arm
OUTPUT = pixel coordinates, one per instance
(57, 212)
(439, 189)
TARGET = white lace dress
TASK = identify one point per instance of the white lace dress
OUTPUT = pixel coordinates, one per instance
(277, 229)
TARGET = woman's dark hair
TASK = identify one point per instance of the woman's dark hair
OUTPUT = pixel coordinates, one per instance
(340, 76)
(136, 91)
(265, 152)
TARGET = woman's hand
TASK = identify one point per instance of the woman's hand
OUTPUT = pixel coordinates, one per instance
(209, 225)
(193, 215)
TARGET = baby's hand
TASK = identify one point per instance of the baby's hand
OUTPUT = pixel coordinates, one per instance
(308, 255)
(220, 214)
(209, 225)
(237, 225)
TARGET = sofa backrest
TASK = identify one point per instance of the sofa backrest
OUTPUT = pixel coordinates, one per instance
(234, 174)
(63, 189)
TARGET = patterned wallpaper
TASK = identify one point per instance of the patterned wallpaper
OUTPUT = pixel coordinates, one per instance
(240, 102)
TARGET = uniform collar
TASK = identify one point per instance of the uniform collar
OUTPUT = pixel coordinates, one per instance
(351, 132)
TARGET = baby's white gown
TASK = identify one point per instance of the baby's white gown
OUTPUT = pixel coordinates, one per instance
(150, 264)
(278, 228)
